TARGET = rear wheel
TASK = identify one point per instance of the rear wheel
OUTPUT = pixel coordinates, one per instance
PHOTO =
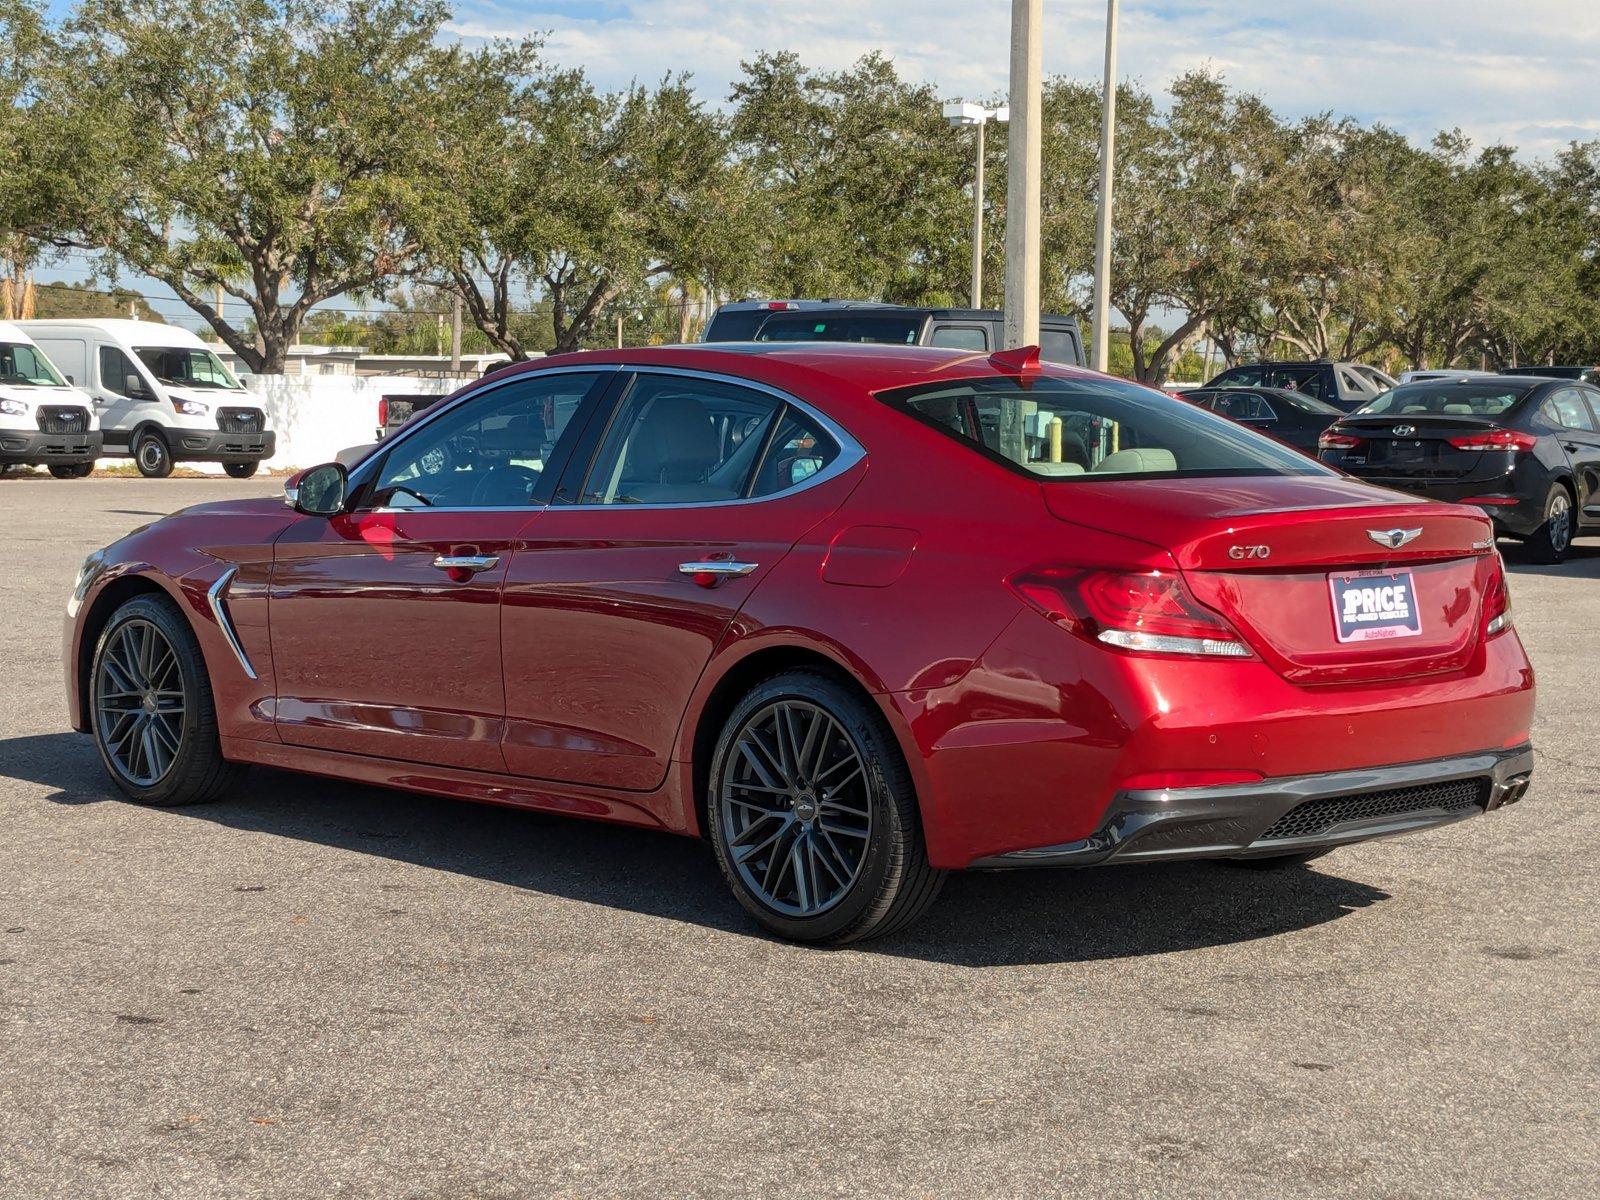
(241, 470)
(813, 816)
(1553, 539)
(151, 454)
(151, 709)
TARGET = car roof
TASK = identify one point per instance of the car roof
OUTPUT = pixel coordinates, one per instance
(871, 366)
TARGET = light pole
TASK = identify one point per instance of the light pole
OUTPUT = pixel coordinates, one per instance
(1102, 229)
(959, 114)
(1022, 177)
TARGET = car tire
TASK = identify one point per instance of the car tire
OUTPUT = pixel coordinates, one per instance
(1552, 541)
(152, 455)
(816, 829)
(151, 710)
(1279, 862)
(242, 470)
(71, 470)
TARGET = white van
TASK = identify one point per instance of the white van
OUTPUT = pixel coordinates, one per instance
(44, 421)
(162, 396)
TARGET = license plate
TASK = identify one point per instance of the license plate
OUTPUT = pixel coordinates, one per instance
(1371, 606)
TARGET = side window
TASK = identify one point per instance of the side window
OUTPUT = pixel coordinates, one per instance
(681, 440)
(1238, 377)
(1567, 409)
(115, 367)
(798, 450)
(1355, 386)
(1059, 346)
(488, 452)
(960, 337)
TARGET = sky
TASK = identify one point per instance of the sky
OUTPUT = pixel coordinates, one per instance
(1522, 73)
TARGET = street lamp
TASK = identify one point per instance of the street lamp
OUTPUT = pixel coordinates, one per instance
(958, 114)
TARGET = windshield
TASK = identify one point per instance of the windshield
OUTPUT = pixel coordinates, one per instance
(842, 327)
(1093, 429)
(1445, 397)
(21, 363)
(186, 368)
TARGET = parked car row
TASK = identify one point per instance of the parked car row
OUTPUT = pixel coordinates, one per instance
(75, 391)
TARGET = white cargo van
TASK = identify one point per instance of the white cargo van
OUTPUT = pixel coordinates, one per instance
(161, 395)
(44, 421)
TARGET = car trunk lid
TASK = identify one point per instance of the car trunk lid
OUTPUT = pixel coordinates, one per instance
(1272, 554)
(1414, 446)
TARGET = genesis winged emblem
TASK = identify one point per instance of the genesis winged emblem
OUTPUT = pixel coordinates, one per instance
(1394, 538)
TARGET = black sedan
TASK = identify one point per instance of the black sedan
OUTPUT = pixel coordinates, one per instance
(1292, 417)
(1525, 450)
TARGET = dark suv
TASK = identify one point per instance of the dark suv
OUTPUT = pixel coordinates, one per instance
(976, 329)
(1346, 386)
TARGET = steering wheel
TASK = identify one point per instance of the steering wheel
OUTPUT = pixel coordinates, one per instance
(505, 484)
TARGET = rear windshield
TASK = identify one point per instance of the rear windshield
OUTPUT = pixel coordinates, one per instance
(841, 327)
(1095, 429)
(1445, 397)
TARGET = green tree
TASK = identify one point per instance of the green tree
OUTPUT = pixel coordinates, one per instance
(270, 148)
(863, 183)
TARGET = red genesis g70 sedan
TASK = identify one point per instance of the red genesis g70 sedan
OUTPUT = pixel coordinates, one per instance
(858, 615)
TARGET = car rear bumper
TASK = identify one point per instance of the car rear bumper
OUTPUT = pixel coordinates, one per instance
(213, 445)
(1289, 816)
(30, 446)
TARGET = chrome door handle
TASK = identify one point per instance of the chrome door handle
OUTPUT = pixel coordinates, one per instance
(471, 563)
(718, 566)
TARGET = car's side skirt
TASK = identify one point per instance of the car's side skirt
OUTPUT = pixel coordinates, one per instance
(452, 782)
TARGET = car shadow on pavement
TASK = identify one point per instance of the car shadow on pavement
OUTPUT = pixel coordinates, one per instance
(980, 920)
(1583, 561)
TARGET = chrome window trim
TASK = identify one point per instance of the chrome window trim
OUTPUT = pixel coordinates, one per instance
(214, 597)
(850, 453)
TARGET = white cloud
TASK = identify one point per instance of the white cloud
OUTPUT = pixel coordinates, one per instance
(1518, 73)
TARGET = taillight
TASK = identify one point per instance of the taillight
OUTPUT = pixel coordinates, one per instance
(1496, 600)
(383, 411)
(1332, 439)
(1150, 612)
(1495, 439)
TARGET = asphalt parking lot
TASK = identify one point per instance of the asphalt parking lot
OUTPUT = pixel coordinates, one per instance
(314, 989)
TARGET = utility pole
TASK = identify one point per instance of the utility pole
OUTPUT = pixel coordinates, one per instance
(455, 335)
(1102, 230)
(957, 114)
(1022, 180)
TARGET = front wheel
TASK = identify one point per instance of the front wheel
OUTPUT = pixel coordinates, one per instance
(242, 470)
(71, 470)
(1553, 539)
(151, 709)
(813, 816)
(153, 457)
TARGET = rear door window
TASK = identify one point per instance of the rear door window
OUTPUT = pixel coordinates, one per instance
(960, 337)
(1568, 409)
(1094, 429)
(1060, 346)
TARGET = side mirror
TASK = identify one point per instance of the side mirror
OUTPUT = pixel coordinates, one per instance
(317, 491)
(134, 386)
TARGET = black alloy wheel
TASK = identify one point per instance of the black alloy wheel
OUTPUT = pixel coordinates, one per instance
(813, 816)
(151, 708)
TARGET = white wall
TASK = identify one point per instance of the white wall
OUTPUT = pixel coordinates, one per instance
(316, 416)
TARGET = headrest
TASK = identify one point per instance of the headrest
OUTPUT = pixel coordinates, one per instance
(675, 442)
(1130, 461)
